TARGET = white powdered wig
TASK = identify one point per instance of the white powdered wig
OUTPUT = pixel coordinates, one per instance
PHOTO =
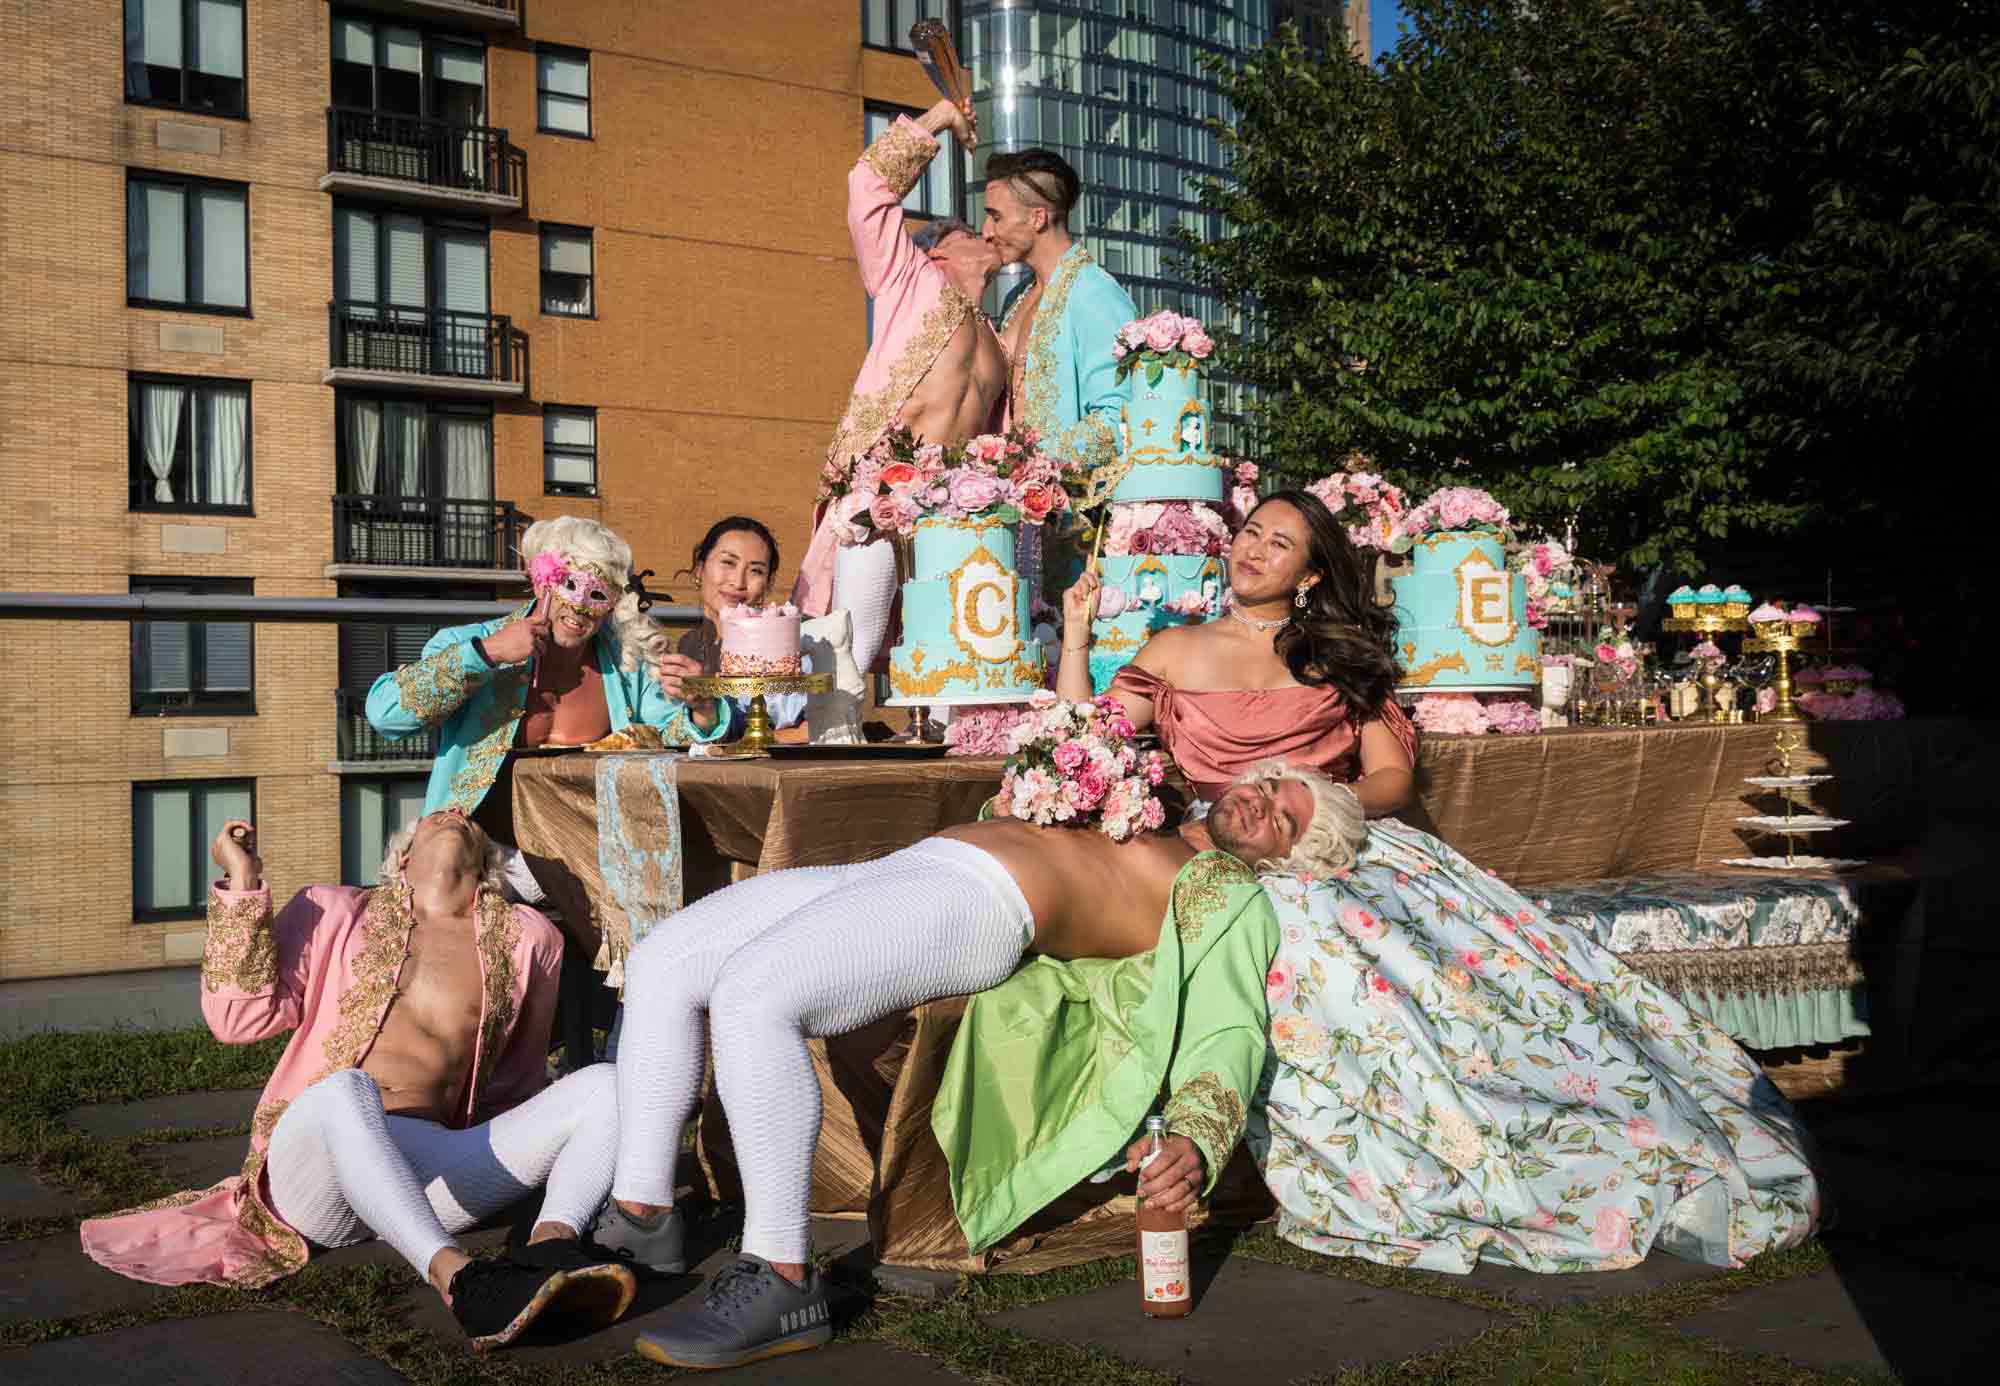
(492, 869)
(1338, 829)
(589, 544)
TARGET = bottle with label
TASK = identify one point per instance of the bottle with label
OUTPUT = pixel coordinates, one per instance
(1164, 1281)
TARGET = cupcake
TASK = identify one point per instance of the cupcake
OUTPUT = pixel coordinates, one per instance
(1766, 615)
(1735, 602)
(1708, 649)
(1708, 598)
(1804, 621)
(1681, 603)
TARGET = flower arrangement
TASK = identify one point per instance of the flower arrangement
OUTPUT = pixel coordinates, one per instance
(898, 481)
(1242, 496)
(1548, 570)
(1070, 763)
(1165, 527)
(1453, 509)
(1164, 340)
(1470, 714)
(1370, 507)
(983, 731)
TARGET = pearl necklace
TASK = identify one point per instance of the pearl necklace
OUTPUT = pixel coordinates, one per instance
(1254, 623)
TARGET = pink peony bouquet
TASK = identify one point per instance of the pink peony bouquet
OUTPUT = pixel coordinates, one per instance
(1164, 527)
(898, 481)
(1451, 510)
(1469, 714)
(1548, 569)
(1164, 340)
(1070, 763)
(1242, 497)
(1370, 507)
(982, 731)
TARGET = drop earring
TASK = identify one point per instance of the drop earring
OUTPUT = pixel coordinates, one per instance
(1299, 599)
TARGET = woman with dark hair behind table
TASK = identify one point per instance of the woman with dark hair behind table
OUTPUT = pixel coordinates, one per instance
(733, 565)
(1493, 1031)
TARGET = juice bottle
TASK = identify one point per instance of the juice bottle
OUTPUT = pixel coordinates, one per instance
(1163, 1249)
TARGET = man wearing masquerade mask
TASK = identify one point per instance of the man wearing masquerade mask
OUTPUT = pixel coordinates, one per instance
(410, 1102)
(580, 661)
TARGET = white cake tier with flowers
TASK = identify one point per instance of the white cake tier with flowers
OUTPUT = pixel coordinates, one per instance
(1164, 429)
(966, 632)
(760, 640)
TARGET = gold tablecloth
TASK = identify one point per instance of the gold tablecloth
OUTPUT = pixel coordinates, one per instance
(1537, 809)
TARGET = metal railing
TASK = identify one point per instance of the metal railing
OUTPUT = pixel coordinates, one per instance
(418, 149)
(427, 532)
(356, 740)
(425, 341)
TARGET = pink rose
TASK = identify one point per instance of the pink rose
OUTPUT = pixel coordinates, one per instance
(1093, 785)
(1069, 756)
(1356, 922)
(1037, 500)
(1198, 345)
(1607, 654)
(988, 448)
(972, 492)
(1642, 1133)
(1612, 1230)
(900, 474)
(1153, 815)
(1162, 333)
(888, 513)
(1156, 769)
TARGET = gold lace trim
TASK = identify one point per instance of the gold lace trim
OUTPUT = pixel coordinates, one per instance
(1208, 1112)
(867, 415)
(241, 951)
(899, 156)
(1089, 440)
(1202, 888)
(488, 748)
(435, 686)
(499, 937)
(385, 941)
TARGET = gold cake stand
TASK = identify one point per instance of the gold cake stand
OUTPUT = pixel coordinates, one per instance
(1783, 640)
(1708, 625)
(757, 738)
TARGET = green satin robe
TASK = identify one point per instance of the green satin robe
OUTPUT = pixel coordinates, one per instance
(1054, 1071)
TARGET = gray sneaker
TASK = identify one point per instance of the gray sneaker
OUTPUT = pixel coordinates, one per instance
(750, 1312)
(660, 1248)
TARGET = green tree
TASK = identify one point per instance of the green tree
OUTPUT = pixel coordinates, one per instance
(1615, 259)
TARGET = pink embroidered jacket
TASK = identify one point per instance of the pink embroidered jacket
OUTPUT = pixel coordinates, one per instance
(326, 970)
(916, 311)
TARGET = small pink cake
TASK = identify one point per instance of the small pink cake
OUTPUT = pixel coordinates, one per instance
(760, 640)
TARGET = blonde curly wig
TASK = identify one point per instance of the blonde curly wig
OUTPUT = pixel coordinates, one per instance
(1338, 829)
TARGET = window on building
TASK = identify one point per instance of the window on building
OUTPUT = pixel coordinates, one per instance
(887, 23)
(187, 243)
(569, 451)
(382, 66)
(173, 824)
(413, 448)
(189, 441)
(186, 53)
(562, 91)
(568, 280)
(204, 667)
(374, 809)
(936, 193)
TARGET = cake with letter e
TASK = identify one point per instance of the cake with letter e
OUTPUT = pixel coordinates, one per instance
(1461, 613)
(966, 636)
(760, 640)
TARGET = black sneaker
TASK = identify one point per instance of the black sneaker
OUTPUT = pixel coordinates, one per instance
(494, 1301)
(657, 1246)
(750, 1312)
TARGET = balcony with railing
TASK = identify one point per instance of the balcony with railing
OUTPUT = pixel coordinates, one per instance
(441, 534)
(429, 350)
(422, 162)
(358, 743)
(490, 16)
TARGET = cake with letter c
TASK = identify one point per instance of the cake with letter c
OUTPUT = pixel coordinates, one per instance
(760, 640)
(966, 632)
(1462, 618)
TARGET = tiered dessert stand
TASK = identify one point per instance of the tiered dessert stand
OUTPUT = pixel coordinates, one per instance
(1783, 640)
(1708, 625)
(1791, 787)
(757, 738)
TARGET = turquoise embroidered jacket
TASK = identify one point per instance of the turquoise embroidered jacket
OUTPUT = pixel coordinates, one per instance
(1070, 391)
(476, 707)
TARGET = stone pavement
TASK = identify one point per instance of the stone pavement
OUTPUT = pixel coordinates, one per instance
(1910, 1291)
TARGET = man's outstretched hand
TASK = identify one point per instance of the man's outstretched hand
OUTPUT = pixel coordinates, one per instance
(235, 851)
(1173, 1181)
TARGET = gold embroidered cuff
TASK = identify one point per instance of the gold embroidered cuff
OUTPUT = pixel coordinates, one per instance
(241, 952)
(900, 155)
(1208, 1112)
(434, 687)
(1200, 889)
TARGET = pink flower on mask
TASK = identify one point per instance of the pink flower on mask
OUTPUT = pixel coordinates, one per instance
(547, 569)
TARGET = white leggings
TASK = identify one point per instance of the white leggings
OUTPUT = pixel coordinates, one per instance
(341, 1169)
(778, 959)
(864, 585)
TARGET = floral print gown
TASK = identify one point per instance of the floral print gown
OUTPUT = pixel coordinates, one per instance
(1457, 1077)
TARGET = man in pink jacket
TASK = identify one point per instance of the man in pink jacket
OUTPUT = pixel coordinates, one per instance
(410, 1103)
(934, 363)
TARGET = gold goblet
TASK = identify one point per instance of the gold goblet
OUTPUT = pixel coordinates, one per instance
(757, 738)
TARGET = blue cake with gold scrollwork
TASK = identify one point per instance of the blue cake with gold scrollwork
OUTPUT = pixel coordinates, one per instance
(1163, 432)
(966, 632)
(1155, 591)
(1462, 618)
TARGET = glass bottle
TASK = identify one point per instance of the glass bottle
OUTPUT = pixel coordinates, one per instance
(1163, 1248)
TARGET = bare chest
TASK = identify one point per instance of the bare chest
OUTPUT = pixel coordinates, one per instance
(565, 706)
(439, 992)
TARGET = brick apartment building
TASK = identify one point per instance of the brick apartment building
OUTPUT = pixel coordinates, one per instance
(315, 299)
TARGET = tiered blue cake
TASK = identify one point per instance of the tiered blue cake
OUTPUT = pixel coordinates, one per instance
(1148, 583)
(966, 635)
(1462, 618)
(1163, 433)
